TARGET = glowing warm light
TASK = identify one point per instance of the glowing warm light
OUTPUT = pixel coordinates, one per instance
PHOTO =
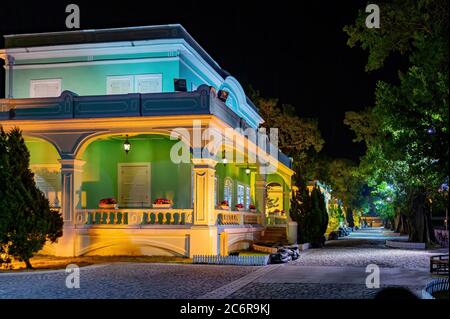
(127, 145)
(224, 159)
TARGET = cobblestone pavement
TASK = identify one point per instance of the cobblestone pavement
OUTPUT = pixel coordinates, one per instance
(309, 291)
(354, 252)
(124, 280)
(318, 274)
(362, 252)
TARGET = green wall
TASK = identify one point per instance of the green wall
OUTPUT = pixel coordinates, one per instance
(168, 180)
(91, 80)
(41, 152)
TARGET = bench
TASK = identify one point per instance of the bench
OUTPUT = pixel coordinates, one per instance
(439, 265)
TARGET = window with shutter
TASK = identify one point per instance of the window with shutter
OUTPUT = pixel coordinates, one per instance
(45, 88)
(148, 83)
(119, 84)
(134, 185)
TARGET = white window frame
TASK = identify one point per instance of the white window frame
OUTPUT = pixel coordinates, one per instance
(110, 78)
(145, 77)
(55, 202)
(238, 199)
(44, 81)
(230, 200)
(247, 196)
(216, 191)
(119, 181)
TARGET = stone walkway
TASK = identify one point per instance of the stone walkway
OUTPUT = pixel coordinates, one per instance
(123, 281)
(336, 271)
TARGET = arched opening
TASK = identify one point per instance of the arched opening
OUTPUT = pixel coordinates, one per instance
(44, 162)
(137, 178)
(274, 202)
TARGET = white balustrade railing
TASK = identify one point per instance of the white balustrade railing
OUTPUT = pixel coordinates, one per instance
(226, 217)
(142, 217)
(276, 219)
(133, 217)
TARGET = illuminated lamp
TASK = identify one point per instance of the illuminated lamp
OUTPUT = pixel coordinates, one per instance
(126, 145)
(224, 159)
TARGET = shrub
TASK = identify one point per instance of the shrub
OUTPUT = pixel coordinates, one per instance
(27, 221)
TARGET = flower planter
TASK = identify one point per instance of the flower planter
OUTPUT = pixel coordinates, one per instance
(252, 210)
(108, 206)
(166, 206)
(223, 207)
(239, 209)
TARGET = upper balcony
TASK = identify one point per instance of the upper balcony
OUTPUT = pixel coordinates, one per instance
(71, 106)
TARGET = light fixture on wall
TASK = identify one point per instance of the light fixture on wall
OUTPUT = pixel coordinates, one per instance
(247, 170)
(224, 158)
(126, 145)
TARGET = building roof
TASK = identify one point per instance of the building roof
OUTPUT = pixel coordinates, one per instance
(169, 31)
(158, 32)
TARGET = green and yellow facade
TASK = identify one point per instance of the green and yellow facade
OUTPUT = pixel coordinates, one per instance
(79, 96)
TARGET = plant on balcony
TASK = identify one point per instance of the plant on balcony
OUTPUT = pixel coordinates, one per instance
(239, 207)
(252, 208)
(224, 205)
(107, 203)
(162, 203)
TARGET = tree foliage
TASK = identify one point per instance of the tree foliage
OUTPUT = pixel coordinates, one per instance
(308, 209)
(27, 221)
(406, 131)
(298, 137)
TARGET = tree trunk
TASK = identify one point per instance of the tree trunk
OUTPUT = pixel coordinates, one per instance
(28, 264)
(401, 224)
(419, 219)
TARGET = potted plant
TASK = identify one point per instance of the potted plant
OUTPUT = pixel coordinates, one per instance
(162, 203)
(224, 205)
(239, 207)
(252, 208)
(108, 203)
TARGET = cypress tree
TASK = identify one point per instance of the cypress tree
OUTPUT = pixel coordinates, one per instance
(6, 198)
(300, 211)
(33, 222)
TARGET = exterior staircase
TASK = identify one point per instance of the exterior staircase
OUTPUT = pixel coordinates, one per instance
(275, 235)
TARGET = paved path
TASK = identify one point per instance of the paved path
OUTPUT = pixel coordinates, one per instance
(336, 271)
(124, 280)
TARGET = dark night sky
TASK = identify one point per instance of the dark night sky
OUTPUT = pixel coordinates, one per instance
(293, 50)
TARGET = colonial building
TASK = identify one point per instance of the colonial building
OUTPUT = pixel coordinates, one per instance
(98, 108)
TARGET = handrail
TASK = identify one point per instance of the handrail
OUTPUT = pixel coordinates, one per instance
(226, 217)
(134, 217)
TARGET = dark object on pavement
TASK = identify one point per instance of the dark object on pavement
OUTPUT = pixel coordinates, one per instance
(392, 293)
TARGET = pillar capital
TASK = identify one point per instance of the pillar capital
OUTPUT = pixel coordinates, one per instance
(71, 165)
(204, 162)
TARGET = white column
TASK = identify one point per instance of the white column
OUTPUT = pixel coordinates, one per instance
(71, 174)
(204, 173)
(260, 196)
(204, 235)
